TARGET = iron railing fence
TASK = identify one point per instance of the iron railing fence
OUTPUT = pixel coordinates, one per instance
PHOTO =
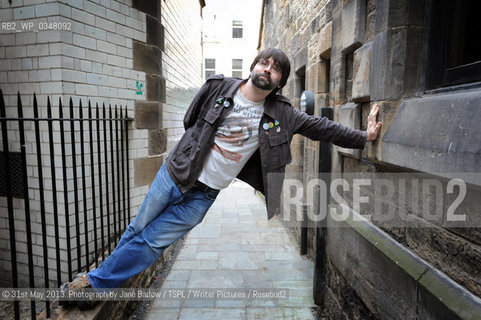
(70, 174)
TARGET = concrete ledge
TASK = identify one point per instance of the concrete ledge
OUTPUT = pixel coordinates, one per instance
(437, 290)
(437, 134)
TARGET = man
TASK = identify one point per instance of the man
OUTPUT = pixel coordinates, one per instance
(234, 128)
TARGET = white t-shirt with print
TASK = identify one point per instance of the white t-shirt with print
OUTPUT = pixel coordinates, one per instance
(236, 139)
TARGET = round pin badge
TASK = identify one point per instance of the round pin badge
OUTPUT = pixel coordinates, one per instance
(226, 104)
(271, 125)
(278, 129)
(276, 123)
(265, 126)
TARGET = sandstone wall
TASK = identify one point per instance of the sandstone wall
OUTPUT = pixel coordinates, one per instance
(351, 54)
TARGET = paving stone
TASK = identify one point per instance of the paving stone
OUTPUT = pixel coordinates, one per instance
(197, 303)
(292, 284)
(209, 314)
(207, 255)
(248, 238)
(187, 253)
(166, 304)
(257, 279)
(279, 313)
(280, 255)
(230, 303)
(228, 245)
(195, 265)
(216, 279)
(241, 260)
(274, 238)
(163, 314)
(174, 284)
(179, 275)
(205, 232)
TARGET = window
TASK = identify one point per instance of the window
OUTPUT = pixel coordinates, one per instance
(237, 68)
(454, 50)
(237, 27)
(209, 67)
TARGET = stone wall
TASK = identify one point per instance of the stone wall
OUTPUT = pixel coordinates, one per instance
(143, 55)
(351, 54)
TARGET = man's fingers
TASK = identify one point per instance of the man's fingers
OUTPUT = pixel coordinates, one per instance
(374, 110)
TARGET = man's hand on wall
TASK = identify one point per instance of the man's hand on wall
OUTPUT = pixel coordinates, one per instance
(373, 127)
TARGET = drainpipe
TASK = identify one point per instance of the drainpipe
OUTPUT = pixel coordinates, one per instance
(319, 283)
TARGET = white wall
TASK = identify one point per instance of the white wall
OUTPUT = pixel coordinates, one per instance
(218, 41)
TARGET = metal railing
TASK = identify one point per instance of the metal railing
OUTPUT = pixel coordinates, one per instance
(101, 151)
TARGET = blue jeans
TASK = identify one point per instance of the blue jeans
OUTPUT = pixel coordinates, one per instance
(164, 216)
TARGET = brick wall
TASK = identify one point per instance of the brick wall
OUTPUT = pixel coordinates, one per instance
(182, 63)
(110, 52)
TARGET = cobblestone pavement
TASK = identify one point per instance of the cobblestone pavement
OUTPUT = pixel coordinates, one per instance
(237, 251)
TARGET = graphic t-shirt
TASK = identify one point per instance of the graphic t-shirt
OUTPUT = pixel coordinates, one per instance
(236, 139)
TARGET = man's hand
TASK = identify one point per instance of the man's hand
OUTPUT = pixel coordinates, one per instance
(373, 127)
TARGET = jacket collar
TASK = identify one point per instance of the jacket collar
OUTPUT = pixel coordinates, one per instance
(269, 104)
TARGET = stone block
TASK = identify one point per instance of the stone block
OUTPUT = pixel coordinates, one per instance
(147, 58)
(387, 67)
(337, 82)
(325, 41)
(399, 13)
(155, 32)
(157, 141)
(350, 115)
(148, 115)
(156, 88)
(300, 59)
(145, 170)
(318, 77)
(336, 35)
(321, 101)
(323, 76)
(360, 85)
(437, 134)
(151, 7)
(353, 24)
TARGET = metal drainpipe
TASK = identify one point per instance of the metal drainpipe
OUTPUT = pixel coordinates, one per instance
(304, 229)
(319, 283)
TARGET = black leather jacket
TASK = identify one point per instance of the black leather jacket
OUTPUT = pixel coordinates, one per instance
(264, 171)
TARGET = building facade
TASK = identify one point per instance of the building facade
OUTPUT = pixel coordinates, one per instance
(142, 55)
(419, 61)
(231, 33)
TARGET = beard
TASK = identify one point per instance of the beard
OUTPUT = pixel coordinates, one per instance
(263, 83)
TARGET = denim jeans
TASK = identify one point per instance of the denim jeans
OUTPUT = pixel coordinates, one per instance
(164, 216)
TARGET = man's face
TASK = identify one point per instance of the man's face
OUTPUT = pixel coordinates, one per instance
(266, 75)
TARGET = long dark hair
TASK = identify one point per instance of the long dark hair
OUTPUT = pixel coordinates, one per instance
(281, 61)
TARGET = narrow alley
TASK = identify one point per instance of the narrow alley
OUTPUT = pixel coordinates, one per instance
(235, 247)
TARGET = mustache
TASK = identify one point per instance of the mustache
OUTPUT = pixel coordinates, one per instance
(265, 74)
